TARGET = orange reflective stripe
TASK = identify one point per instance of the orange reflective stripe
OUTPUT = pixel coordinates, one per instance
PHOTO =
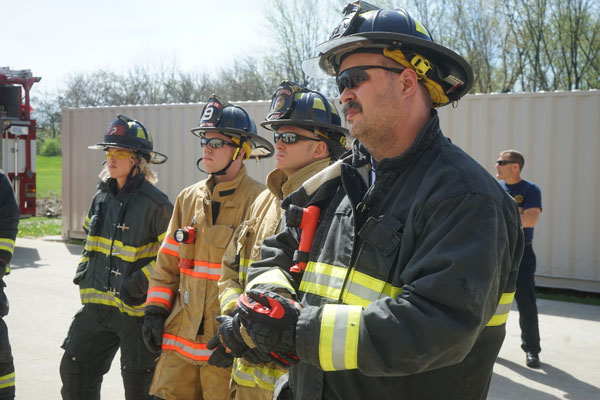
(170, 247)
(203, 269)
(192, 350)
(160, 295)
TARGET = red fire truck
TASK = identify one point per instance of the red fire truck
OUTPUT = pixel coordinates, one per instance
(17, 144)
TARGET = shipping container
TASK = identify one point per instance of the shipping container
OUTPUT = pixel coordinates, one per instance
(558, 133)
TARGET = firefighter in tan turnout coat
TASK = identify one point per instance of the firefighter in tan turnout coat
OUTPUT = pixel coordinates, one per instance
(182, 303)
(308, 136)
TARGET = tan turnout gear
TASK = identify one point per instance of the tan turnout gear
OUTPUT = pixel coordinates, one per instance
(264, 220)
(190, 293)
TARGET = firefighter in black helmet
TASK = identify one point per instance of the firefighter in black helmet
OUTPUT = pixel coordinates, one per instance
(125, 226)
(308, 137)
(411, 270)
(183, 285)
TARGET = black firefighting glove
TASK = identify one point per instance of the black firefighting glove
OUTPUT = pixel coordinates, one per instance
(134, 289)
(271, 322)
(3, 300)
(220, 357)
(154, 322)
(230, 335)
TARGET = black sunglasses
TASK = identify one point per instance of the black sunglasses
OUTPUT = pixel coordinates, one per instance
(215, 143)
(290, 137)
(504, 162)
(351, 77)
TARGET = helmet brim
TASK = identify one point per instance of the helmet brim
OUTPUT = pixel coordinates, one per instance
(273, 125)
(155, 156)
(443, 58)
(261, 147)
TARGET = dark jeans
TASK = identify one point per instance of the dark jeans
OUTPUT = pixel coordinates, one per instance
(525, 297)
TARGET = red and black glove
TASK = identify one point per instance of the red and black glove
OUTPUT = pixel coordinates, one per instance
(270, 319)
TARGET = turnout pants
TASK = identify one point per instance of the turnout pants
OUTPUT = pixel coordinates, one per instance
(7, 368)
(526, 302)
(95, 335)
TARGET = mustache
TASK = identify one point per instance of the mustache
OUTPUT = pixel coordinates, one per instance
(353, 105)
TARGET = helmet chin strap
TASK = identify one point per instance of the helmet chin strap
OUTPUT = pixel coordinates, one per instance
(224, 170)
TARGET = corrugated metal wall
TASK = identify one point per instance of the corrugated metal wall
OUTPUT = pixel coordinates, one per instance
(559, 134)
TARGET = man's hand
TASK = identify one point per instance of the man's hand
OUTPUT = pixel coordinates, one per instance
(220, 357)
(230, 335)
(271, 322)
(154, 322)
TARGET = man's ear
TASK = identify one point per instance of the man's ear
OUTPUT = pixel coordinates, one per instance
(321, 151)
(410, 80)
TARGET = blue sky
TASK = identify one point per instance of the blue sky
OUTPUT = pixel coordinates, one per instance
(62, 37)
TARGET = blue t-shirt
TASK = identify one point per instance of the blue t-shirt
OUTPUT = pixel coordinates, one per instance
(528, 195)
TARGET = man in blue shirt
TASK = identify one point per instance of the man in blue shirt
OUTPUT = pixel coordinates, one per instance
(529, 198)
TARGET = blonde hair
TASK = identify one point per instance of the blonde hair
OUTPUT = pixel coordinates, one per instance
(144, 168)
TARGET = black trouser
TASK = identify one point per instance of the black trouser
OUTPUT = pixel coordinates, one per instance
(7, 368)
(95, 335)
(525, 297)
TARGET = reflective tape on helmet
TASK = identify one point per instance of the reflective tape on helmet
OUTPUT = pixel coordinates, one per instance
(342, 323)
(501, 315)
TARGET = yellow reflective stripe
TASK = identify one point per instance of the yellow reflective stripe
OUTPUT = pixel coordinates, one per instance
(338, 341)
(229, 297)
(324, 280)
(148, 269)
(243, 374)
(273, 276)
(162, 236)
(93, 296)
(501, 315)
(7, 380)
(362, 289)
(391, 291)
(243, 269)
(126, 253)
(86, 223)
(7, 244)
(254, 375)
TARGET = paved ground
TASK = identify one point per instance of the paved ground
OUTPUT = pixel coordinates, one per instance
(43, 301)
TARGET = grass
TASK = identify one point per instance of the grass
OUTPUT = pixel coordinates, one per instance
(49, 177)
(49, 186)
(571, 296)
(39, 226)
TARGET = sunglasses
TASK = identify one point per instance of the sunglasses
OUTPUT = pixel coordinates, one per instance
(504, 162)
(290, 137)
(118, 155)
(215, 143)
(351, 77)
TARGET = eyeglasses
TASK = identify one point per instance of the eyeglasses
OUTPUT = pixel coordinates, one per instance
(215, 143)
(118, 154)
(504, 162)
(351, 77)
(290, 137)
